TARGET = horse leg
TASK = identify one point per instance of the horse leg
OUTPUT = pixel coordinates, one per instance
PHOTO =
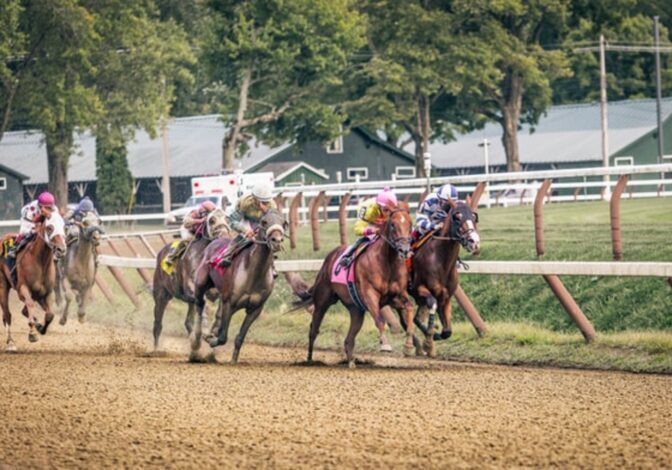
(83, 299)
(387, 317)
(446, 317)
(250, 316)
(323, 298)
(356, 322)
(6, 315)
(28, 311)
(48, 315)
(189, 319)
(217, 323)
(67, 293)
(225, 314)
(416, 342)
(202, 283)
(161, 299)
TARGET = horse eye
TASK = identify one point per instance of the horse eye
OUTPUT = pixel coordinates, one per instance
(475, 217)
(50, 229)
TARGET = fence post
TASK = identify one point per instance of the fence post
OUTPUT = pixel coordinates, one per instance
(144, 274)
(279, 202)
(615, 209)
(343, 218)
(476, 195)
(553, 281)
(294, 219)
(325, 207)
(119, 276)
(470, 311)
(538, 217)
(104, 288)
(314, 223)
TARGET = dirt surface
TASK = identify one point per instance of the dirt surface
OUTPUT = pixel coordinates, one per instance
(87, 396)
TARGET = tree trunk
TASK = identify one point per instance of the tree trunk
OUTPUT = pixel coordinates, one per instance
(7, 114)
(513, 91)
(233, 135)
(59, 146)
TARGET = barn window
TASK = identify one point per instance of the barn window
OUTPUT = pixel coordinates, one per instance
(402, 172)
(624, 161)
(3, 183)
(336, 145)
(362, 172)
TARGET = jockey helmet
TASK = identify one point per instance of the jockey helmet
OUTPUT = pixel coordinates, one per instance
(447, 191)
(46, 199)
(262, 192)
(85, 205)
(207, 206)
(386, 198)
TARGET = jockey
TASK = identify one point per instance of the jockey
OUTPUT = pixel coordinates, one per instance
(244, 219)
(74, 216)
(43, 206)
(371, 214)
(434, 210)
(192, 228)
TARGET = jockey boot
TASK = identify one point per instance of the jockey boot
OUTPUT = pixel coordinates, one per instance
(175, 253)
(236, 245)
(347, 257)
(14, 250)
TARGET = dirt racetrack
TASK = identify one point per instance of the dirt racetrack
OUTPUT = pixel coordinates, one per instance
(88, 396)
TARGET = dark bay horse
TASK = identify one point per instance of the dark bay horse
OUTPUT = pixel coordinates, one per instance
(35, 276)
(246, 284)
(381, 278)
(180, 284)
(78, 267)
(434, 275)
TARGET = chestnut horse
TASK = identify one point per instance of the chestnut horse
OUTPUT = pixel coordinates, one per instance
(35, 276)
(381, 279)
(247, 283)
(180, 284)
(434, 275)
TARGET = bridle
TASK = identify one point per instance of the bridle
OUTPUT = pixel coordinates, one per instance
(396, 241)
(456, 223)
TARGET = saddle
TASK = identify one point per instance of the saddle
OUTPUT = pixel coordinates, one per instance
(346, 274)
(415, 246)
(237, 250)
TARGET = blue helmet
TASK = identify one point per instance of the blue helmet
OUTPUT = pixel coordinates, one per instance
(447, 191)
(85, 205)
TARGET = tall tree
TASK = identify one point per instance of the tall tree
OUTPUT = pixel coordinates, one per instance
(273, 64)
(13, 58)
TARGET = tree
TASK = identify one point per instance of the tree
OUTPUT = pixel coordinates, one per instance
(114, 185)
(418, 62)
(512, 31)
(13, 58)
(274, 64)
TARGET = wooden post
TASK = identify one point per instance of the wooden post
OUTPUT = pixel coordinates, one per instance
(343, 218)
(615, 209)
(294, 219)
(119, 276)
(148, 246)
(163, 239)
(553, 281)
(104, 288)
(314, 223)
(279, 202)
(325, 207)
(470, 311)
(144, 274)
(476, 195)
(538, 216)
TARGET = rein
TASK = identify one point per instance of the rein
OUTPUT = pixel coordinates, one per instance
(393, 243)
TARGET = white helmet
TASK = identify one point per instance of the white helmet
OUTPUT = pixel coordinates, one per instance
(447, 191)
(262, 192)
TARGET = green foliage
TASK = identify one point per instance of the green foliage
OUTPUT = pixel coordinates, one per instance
(114, 186)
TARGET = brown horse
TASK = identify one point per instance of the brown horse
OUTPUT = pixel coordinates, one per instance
(434, 269)
(247, 283)
(180, 284)
(78, 268)
(381, 279)
(35, 276)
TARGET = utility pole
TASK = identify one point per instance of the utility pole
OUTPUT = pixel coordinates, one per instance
(486, 156)
(603, 115)
(165, 179)
(661, 141)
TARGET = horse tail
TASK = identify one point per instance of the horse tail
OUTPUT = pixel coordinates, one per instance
(301, 289)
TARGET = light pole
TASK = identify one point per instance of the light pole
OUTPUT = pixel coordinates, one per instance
(485, 144)
(427, 161)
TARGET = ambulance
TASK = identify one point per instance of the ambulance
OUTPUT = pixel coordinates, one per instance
(223, 190)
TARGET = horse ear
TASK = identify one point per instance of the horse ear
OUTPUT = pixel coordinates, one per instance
(468, 200)
(452, 203)
(403, 205)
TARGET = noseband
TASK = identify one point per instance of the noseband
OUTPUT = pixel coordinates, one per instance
(454, 233)
(395, 242)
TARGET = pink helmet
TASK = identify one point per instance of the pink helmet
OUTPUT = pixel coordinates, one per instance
(207, 206)
(46, 199)
(386, 198)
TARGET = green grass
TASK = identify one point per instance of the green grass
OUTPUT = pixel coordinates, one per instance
(526, 324)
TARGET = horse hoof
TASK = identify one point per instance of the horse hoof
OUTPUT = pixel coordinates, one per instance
(351, 365)
(409, 351)
(63, 321)
(213, 342)
(32, 337)
(10, 348)
(196, 358)
(385, 348)
(81, 318)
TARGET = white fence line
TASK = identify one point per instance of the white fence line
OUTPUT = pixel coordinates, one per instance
(560, 268)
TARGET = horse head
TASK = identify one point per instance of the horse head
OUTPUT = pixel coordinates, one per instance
(54, 234)
(271, 230)
(91, 229)
(398, 228)
(461, 226)
(216, 224)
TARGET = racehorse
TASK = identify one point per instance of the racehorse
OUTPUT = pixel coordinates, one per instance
(381, 278)
(35, 276)
(78, 267)
(180, 283)
(247, 283)
(434, 275)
